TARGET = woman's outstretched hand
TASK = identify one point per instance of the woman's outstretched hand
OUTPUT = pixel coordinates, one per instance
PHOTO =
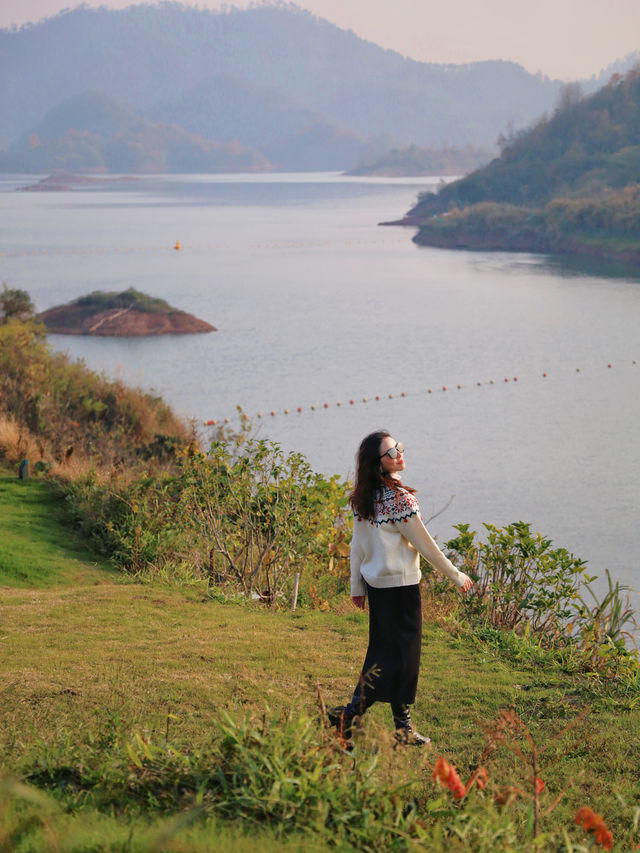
(358, 600)
(466, 586)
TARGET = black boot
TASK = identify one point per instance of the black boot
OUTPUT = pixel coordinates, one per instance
(405, 733)
(343, 721)
(346, 718)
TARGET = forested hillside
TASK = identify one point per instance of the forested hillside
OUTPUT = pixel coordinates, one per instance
(570, 183)
(93, 133)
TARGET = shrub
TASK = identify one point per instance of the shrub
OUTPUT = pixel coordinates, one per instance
(262, 515)
(524, 584)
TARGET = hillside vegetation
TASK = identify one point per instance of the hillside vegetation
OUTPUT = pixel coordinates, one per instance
(569, 184)
(183, 708)
(57, 412)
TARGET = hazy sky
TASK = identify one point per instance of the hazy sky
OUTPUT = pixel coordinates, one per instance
(569, 39)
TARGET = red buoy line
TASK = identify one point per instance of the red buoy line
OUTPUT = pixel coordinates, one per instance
(180, 247)
(377, 397)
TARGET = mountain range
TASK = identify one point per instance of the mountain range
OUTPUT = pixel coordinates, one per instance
(285, 89)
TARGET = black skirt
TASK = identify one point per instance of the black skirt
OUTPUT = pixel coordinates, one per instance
(392, 663)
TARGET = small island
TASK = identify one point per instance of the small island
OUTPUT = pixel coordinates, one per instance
(126, 314)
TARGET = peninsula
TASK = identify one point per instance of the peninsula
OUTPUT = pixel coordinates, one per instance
(126, 314)
(570, 184)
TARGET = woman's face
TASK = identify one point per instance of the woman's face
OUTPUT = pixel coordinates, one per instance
(389, 465)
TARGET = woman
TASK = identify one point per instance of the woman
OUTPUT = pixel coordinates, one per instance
(388, 538)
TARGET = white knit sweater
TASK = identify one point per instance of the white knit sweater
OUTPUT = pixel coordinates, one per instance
(385, 550)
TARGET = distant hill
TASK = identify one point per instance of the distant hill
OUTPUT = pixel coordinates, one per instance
(446, 160)
(570, 183)
(276, 74)
(92, 132)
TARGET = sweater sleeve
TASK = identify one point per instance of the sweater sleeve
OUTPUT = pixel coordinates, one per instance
(357, 581)
(414, 530)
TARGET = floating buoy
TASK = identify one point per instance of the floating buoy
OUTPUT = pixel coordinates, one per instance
(459, 386)
(313, 408)
(493, 381)
(365, 399)
(339, 403)
(177, 246)
(577, 370)
(430, 391)
(515, 378)
(286, 411)
(273, 414)
(544, 375)
(391, 396)
(378, 395)
(227, 420)
(259, 414)
(326, 405)
(609, 365)
(444, 387)
(351, 402)
(403, 394)
(299, 408)
(505, 379)
(210, 423)
(478, 383)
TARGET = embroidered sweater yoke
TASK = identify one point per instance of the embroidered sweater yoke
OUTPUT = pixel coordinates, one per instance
(385, 549)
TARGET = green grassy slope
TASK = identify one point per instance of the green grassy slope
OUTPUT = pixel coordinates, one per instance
(78, 668)
(38, 548)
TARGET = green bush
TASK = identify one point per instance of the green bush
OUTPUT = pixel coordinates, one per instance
(525, 585)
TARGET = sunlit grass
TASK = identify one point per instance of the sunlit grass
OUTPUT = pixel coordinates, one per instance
(38, 548)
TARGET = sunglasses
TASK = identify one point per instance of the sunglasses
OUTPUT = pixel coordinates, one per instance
(393, 452)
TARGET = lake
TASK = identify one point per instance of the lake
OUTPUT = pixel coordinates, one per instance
(317, 304)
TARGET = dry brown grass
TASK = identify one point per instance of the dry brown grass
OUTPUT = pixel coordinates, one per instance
(17, 443)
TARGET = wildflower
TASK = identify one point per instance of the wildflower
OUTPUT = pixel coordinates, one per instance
(447, 775)
(538, 783)
(594, 823)
(479, 777)
(482, 777)
(507, 795)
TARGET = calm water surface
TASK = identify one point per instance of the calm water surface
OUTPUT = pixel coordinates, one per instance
(315, 303)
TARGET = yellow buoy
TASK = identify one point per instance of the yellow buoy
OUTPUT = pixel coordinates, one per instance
(177, 246)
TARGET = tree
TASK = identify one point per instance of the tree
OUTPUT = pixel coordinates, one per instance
(15, 303)
(570, 95)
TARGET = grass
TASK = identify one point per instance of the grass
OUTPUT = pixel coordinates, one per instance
(90, 662)
(76, 661)
(38, 547)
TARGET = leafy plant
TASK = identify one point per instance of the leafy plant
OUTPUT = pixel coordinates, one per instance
(258, 511)
(519, 577)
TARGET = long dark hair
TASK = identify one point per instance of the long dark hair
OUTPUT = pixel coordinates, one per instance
(369, 476)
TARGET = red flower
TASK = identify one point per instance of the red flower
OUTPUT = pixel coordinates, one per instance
(539, 784)
(447, 775)
(481, 777)
(594, 823)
